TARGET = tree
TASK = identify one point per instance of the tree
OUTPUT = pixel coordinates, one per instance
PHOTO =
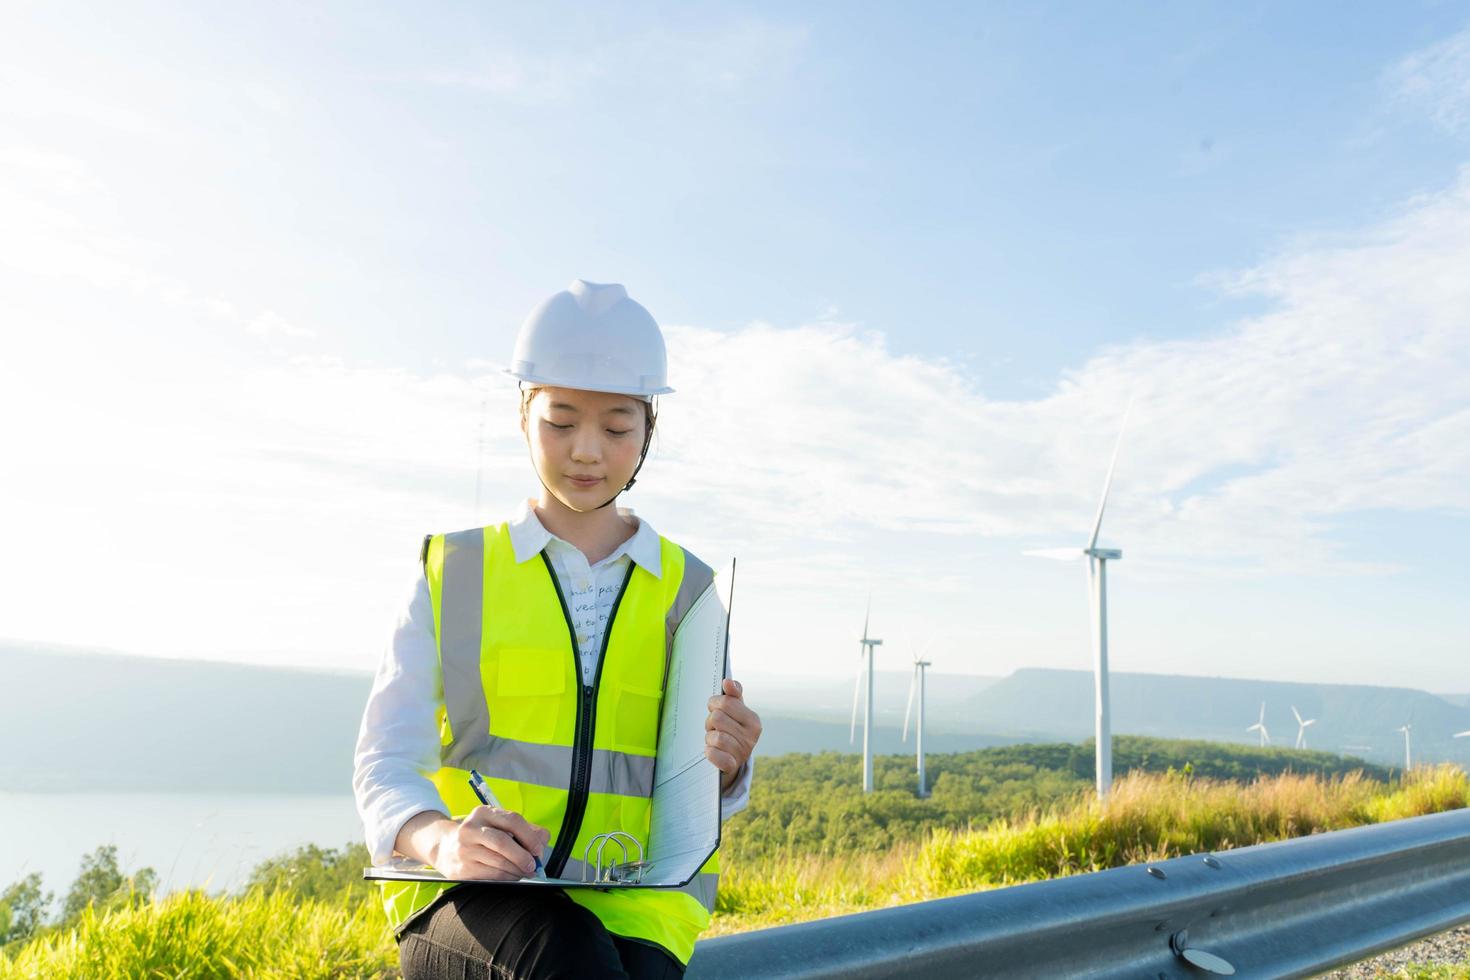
(315, 872)
(100, 879)
(102, 882)
(23, 908)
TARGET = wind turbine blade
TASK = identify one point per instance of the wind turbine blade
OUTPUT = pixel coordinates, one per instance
(1262, 720)
(1108, 483)
(1298, 715)
(913, 686)
(857, 688)
(1055, 554)
(867, 614)
(1462, 735)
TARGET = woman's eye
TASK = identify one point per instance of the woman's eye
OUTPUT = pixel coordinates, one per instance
(555, 426)
(618, 432)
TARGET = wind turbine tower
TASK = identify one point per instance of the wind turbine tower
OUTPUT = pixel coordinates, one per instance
(1408, 759)
(1301, 728)
(1260, 726)
(1097, 593)
(868, 643)
(917, 682)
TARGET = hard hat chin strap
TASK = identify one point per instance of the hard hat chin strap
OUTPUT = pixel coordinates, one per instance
(632, 479)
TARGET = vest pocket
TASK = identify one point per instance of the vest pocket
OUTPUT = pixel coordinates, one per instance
(528, 702)
(635, 726)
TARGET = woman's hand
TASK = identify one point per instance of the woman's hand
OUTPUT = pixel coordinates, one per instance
(491, 844)
(730, 732)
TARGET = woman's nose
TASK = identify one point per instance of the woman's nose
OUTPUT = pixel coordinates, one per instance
(586, 448)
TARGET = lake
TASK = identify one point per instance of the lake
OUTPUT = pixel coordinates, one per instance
(208, 840)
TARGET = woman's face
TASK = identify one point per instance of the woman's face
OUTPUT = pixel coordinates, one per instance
(584, 444)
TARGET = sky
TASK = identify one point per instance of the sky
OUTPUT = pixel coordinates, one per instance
(260, 267)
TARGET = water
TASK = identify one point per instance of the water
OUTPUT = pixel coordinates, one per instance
(206, 840)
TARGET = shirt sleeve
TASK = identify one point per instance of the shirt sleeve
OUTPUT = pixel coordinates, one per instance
(398, 740)
(737, 797)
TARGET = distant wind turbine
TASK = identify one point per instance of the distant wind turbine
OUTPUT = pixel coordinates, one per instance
(1097, 594)
(867, 654)
(916, 682)
(1260, 726)
(1301, 728)
(1408, 759)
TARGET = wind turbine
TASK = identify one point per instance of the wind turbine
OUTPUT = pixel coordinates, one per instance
(1260, 726)
(1097, 593)
(1301, 728)
(867, 654)
(917, 681)
(1408, 759)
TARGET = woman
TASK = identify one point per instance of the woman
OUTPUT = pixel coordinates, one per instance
(535, 651)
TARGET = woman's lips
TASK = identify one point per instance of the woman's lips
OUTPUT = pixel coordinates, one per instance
(585, 481)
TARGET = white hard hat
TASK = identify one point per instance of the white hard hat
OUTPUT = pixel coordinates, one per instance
(593, 337)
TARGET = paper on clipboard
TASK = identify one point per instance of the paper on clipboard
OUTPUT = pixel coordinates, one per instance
(684, 812)
(684, 816)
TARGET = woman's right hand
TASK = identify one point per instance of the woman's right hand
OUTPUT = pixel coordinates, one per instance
(491, 844)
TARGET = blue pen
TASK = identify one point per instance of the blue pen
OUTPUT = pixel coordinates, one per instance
(487, 797)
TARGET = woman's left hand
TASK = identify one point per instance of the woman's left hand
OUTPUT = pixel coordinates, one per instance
(731, 731)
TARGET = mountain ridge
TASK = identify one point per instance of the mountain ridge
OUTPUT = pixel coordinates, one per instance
(107, 721)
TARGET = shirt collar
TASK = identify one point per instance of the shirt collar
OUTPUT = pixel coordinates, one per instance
(529, 537)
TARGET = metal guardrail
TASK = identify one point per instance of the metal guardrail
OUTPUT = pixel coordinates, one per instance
(1289, 909)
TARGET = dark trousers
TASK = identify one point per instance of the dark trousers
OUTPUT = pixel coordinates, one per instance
(487, 933)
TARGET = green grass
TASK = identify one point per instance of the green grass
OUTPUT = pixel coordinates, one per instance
(271, 935)
(1149, 817)
(274, 931)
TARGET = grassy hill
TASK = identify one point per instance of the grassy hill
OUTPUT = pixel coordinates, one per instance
(308, 915)
(813, 804)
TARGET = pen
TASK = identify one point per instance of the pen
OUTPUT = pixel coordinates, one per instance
(487, 796)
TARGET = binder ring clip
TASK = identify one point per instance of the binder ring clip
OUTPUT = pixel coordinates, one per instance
(623, 870)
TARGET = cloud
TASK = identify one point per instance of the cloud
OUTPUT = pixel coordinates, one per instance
(59, 173)
(272, 324)
(278, 499)
(724, 56)
(818, 451)
(1438, 79)
(1247, 449)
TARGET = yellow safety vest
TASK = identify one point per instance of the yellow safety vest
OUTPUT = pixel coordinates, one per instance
(574, 759)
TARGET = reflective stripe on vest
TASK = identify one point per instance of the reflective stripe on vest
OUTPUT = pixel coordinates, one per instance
(576, 760)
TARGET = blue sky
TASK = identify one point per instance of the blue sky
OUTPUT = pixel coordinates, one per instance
(912, 262)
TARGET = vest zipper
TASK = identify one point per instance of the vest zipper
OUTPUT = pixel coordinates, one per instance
(571, 824)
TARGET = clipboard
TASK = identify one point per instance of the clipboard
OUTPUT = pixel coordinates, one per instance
(684, 812)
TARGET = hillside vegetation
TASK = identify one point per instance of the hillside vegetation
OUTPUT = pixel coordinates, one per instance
(813, 805)
(809, 846)
(1149, 817)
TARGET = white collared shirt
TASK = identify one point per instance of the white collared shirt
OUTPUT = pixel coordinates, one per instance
(399, 736)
